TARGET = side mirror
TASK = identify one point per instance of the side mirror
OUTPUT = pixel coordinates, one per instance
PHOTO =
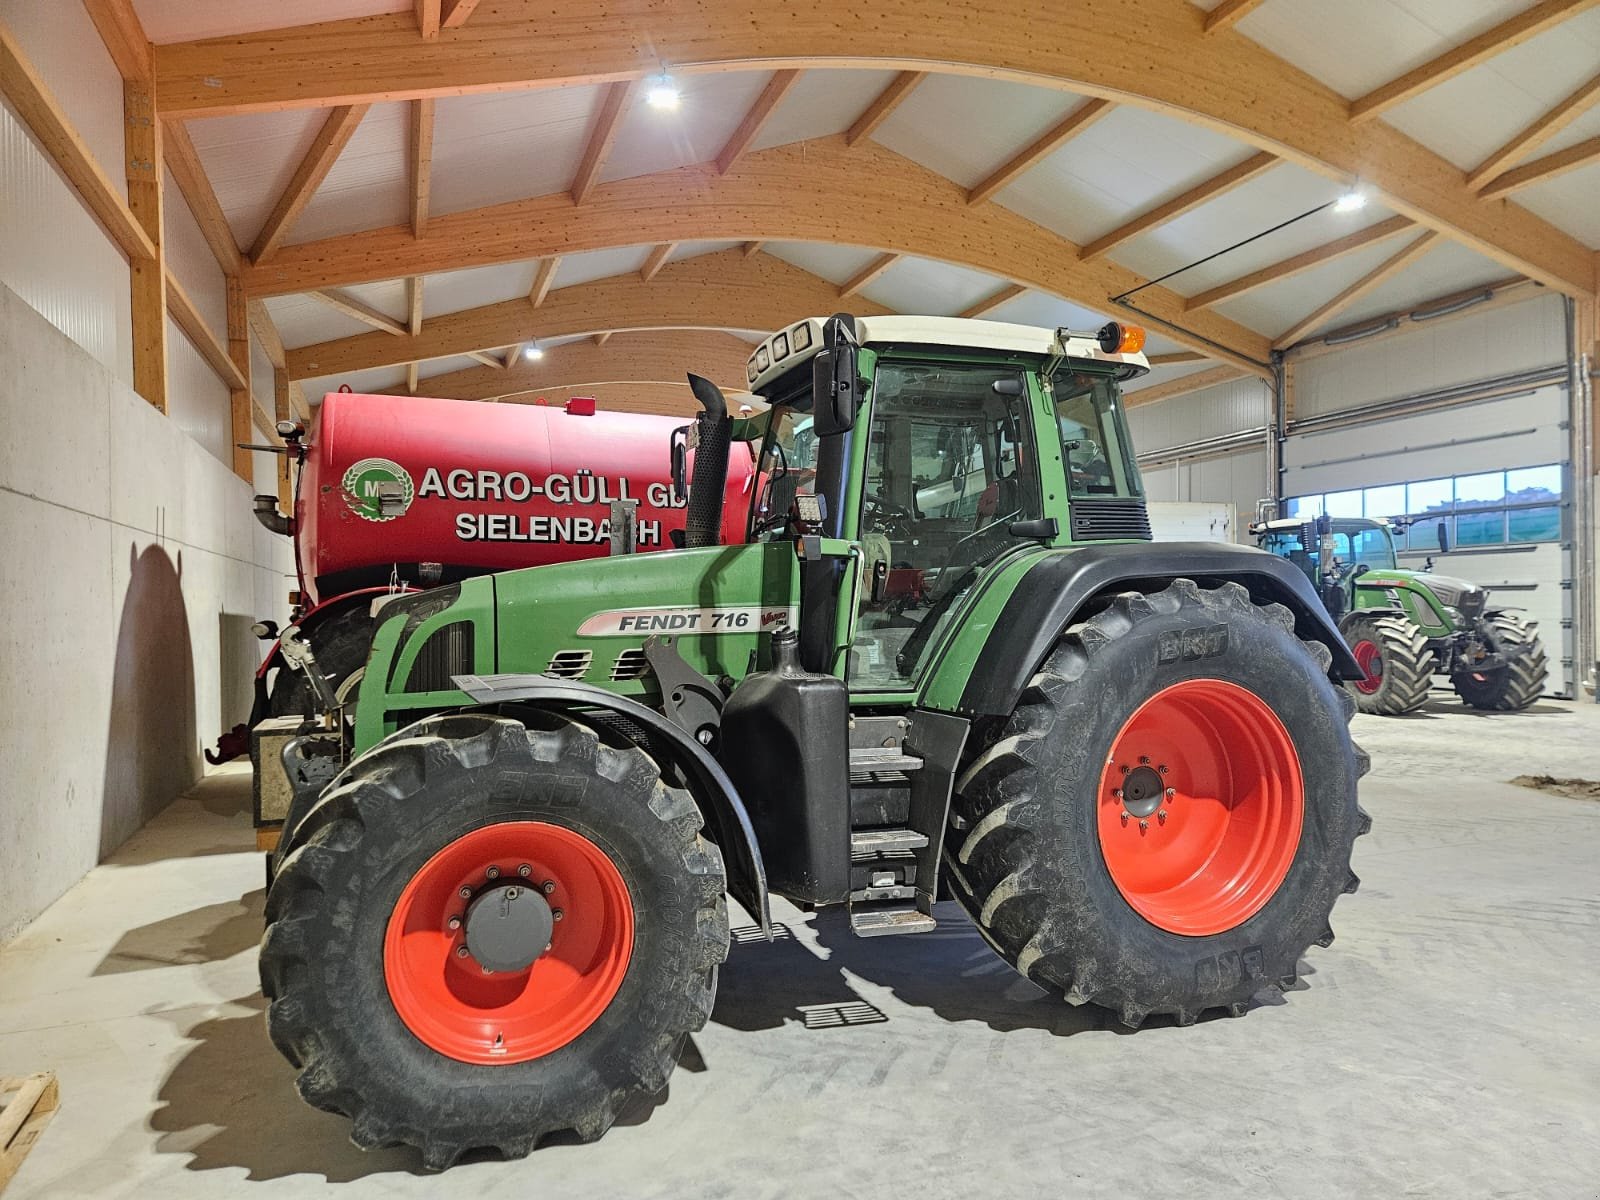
(1361, 569)
(835, 385)
(1444, 538)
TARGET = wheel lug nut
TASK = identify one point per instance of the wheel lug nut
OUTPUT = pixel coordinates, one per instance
(1117, 792)
(1172, 791)
(1124, 818)
(1123, 769)
(462, 952)
(524, 870)
(493, 872)
(1144, 760)
(1162, 768)
(488, 970)
(465, 893)
(548, 886)
(557, 915)
(1162, 816)
(1143, 824)
(455, 922)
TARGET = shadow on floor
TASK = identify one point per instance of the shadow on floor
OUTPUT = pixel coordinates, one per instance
(208, 934)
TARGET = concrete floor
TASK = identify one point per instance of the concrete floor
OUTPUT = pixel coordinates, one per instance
(1446, 1045)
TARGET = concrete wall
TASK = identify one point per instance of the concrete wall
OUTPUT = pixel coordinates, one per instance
(132, 566)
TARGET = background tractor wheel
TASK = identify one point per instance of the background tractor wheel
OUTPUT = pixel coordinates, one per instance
(1140, 833)
(341, 645)
(487, 933)
(1512, 687)
(1394, 654)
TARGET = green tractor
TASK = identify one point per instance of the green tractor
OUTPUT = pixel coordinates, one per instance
(1405, 627)
(946, 662)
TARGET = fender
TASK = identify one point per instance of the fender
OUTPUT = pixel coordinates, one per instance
(1049, 597)
(718, 799)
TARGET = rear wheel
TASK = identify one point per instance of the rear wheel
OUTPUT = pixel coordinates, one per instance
(1399, 668)
(485, 933)
(1516, 685)
(1165, 822)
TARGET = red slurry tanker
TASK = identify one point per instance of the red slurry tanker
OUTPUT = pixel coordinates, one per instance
(395, 494)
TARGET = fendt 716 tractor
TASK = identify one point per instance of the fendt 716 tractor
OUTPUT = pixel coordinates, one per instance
(1405, 627)
(946, 661)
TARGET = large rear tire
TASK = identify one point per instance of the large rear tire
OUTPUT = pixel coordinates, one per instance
(1141, 833)
(1513, 687)
(1393, 652)
(397, 983)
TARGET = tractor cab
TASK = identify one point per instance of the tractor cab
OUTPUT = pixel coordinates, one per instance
(1333, 552)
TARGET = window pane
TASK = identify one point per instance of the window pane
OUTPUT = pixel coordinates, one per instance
(1424, 535)
(1304, 507)
(1533, 483)
(1535, 524)
(1343, 504)
(1480, 491)
(1432, 495)
(1480, 529)
(1386, 501)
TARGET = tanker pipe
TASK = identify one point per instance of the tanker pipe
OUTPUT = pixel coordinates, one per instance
(703, 520)
(266, 510)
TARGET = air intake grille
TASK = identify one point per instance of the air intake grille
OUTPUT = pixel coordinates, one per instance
(447, 652)
(570, 664)
(630, 664)
(1110, 520)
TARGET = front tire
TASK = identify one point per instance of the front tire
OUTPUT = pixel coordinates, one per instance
(1512, 687)
(401, 1001)
(1068, 866)
(1399, 667)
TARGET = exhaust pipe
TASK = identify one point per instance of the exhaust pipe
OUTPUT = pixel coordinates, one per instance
(702, 524)
(266, 510)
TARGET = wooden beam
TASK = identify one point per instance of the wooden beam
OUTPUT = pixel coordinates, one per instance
(601, 338)
(1349, 244)
(428, 12)
(266, 333)
(1181, 386)
(1537, 133)
(882, 108)
(751, 249)
(148, 283)
(1169, 360)
(240, 400)
(190, 175)
(1373, 279)
(360, 310)
(1511, 32)
(1171, 210)
(1075, 122)
(1179, 72)
(867, 274)
(608, 116)
(421, 148)
(771, 96)
(411, 378)
(543, 278)
(486, 359)
(47, 121)
(1228, 14)
(656, 260)
(512, 353)
(187, 318)
(456, 13)
(124, 37)
(711, 291)
(1540, 169)
(991, 302)
(414, 305)
(816, 191)
(330, 141)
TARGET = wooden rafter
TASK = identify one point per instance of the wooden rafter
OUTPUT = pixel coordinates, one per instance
(1182, 386)
(1171, 210)
(190, 175)
(1540, 169)
(1511, 32)
(760, 112)
(413, 326)
(1537, 133)
(329, 143)
(604, 336)
(150, 288)
(1373, 279)
(1173, 359)
(241, 401)
(868, 274)
(751, 249)
(421, 152)
(613, 107)
(487, 359)
(124, 37)
(187, 318)
(1047, 143)
(428, 13)
(456, 13)
(994, 300)
(656, 260)
(719, 290)
(816, 191)
(350, 306)
(883, 106)
(1349, 244)
(543, 278)
(1228, 14)
(1179, 71)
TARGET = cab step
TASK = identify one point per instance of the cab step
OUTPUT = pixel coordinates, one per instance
(869, 761)
(870, 843)
(880, 922)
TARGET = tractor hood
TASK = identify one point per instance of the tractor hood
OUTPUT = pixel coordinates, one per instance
(1462, 595)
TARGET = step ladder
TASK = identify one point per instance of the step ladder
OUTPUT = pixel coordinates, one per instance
(884, 859)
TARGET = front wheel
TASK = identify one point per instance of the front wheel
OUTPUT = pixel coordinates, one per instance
(484, 933)
(1165, 822)
(1521, 681)
(1398, 665)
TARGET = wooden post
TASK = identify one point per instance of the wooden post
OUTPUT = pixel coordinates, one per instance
(282, 411)
(142, 150)
(239, 398)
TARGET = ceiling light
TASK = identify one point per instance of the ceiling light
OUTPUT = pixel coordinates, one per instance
(661, 93)
(1351, 201)
(532, 351)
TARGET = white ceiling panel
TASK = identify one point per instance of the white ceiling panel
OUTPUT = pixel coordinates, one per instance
(1123, 164)
(821, 103)
(833, 263)
(1445, 269)
(367, 187)
(250, 160)
(1047, 312)
(964, 128)
(389, 296)
(502, 146)
(376, 379)
(711, 108)
(1570, 201)
(1166, 374)
(190, 20)
(305, 320)
(1276, 307)
(598, 264)
(920, 285)
(452, 291)
(443, 366)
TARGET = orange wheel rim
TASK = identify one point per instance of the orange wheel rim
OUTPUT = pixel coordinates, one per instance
(1200, 807)
(1370, 659)
(447, 998)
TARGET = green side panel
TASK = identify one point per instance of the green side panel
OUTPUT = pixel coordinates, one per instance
(957, 654)
(1383, 589)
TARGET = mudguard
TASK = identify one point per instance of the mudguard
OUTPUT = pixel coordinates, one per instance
(713, 790)
(1050, 596)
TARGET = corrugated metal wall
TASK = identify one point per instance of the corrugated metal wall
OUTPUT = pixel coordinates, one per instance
(197, 401)
(190, 259)
(1240, 478)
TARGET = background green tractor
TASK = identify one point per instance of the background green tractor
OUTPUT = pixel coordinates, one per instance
(1405, 627)
(946, 662)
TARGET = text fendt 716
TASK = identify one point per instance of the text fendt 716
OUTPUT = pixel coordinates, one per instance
(948, 662)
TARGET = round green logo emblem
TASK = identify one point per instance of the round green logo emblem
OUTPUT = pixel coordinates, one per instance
(377, 489)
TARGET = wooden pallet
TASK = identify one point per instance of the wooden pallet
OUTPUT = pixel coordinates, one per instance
(29, 1103)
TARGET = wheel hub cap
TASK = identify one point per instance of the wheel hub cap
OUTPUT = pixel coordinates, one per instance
(1142, 789)
(508, 927)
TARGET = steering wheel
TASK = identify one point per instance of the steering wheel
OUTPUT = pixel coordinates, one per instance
(886, 517)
